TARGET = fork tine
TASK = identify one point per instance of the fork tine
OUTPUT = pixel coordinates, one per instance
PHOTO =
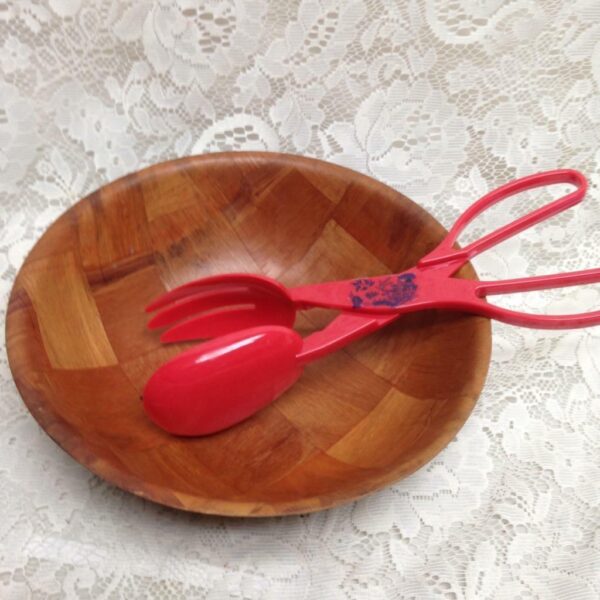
(184, 291)
(214, 282)
(214, 324)
(202, 301)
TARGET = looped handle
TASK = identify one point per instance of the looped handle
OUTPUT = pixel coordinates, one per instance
(444, 253)
(513, 317)
(541, 282)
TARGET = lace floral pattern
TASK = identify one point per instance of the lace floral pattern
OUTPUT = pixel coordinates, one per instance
(443, 100)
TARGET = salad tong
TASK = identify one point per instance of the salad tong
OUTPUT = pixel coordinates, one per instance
(255, 355)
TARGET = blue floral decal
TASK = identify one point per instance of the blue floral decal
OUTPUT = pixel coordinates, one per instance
(388, 291)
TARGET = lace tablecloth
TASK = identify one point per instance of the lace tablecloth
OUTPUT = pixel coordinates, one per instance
(442, 100)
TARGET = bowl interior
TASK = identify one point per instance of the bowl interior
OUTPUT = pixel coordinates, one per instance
(356, 421)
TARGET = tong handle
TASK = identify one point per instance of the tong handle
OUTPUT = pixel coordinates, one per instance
(444, 253)
(541, 282)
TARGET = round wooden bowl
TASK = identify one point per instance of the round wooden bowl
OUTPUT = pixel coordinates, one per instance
(358, 420)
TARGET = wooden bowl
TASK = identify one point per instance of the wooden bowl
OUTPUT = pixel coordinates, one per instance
(358, 420)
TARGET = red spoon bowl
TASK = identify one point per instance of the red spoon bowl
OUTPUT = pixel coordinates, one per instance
(221, 382)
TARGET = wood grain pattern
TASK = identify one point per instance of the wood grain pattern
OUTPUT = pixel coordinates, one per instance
(358, 420)
(65, 310)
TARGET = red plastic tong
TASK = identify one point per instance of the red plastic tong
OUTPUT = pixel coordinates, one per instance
(221, 382)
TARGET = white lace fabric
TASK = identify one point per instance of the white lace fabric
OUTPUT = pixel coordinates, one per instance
(443, 100)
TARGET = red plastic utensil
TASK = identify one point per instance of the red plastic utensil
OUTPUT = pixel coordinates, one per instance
(234, 301)
(220, 305)
(223, 381)
(219, 383)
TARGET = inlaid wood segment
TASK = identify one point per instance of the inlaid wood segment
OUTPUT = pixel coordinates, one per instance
(301, 220)
(340, 390)
(358, 420)
(71, 328)
(196, 242)
(380, 229)
(367, 444)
